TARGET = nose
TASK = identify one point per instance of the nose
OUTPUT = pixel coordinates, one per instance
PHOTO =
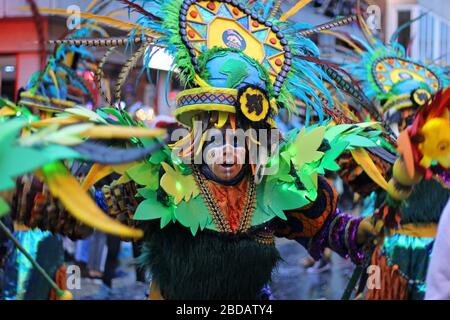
(228, 150)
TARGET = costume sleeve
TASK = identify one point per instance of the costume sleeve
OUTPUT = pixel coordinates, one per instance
(119, 201)
(321, 224)
(33, 206)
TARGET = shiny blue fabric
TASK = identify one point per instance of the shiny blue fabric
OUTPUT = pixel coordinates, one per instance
(22, 281)
(411, 255)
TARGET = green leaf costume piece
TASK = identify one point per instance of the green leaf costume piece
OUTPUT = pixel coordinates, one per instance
(4, 207)
(194, 215)
(16, 160)
(284, 190)
(145, 174)
(178, 185)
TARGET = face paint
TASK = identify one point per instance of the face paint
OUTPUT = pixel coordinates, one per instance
(224, 154)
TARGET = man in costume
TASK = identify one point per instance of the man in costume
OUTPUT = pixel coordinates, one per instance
(210, 205)
(401, 87)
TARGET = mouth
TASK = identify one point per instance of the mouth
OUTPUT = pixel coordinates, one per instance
(228, 165)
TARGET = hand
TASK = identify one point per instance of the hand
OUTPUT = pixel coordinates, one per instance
(368, 229)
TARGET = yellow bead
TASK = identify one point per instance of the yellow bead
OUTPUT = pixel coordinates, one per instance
(66, 295)
(396, 194)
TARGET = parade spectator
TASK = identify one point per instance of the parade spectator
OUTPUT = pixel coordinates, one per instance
(438, 276)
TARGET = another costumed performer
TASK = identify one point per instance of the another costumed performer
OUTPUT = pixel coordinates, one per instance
(402, 87)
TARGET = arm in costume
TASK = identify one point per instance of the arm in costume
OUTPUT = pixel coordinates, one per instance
(321, 224)
(33, 206)
(118, 200)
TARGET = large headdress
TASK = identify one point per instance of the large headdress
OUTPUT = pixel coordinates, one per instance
(67, 77)
(399, 83)
(233, 57)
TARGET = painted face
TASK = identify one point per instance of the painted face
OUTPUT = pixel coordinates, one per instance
(224, 153)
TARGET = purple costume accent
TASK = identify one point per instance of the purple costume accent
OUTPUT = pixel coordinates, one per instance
(339, 234)
(443, 174)
(354, 250)
(335, 230)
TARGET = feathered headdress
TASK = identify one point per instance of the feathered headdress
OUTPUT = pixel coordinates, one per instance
(232, 56)
(390, 77)
(64, 74)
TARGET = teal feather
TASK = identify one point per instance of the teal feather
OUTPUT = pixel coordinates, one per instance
(404, 26)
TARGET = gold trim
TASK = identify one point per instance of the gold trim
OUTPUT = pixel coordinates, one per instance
(205, 107)
(219, 219)
(421, 230)
(398, 103)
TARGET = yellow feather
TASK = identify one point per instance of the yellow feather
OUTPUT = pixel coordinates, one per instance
(47, 100)
(115, 13)
(59, 120)
(121, 132)
(365, 28)
(363, 159)
(79, 204)
(121, 168)
(98, 171)
(7, 111)
(53, 76)
(294, 9)
(91, 5)
(344, 39)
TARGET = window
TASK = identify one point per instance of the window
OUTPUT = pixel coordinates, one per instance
(423, 37)
(444, 45)
(404, 36)
(7, 76)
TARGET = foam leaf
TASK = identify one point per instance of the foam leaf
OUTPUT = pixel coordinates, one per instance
(178, 185)
(306, 145)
